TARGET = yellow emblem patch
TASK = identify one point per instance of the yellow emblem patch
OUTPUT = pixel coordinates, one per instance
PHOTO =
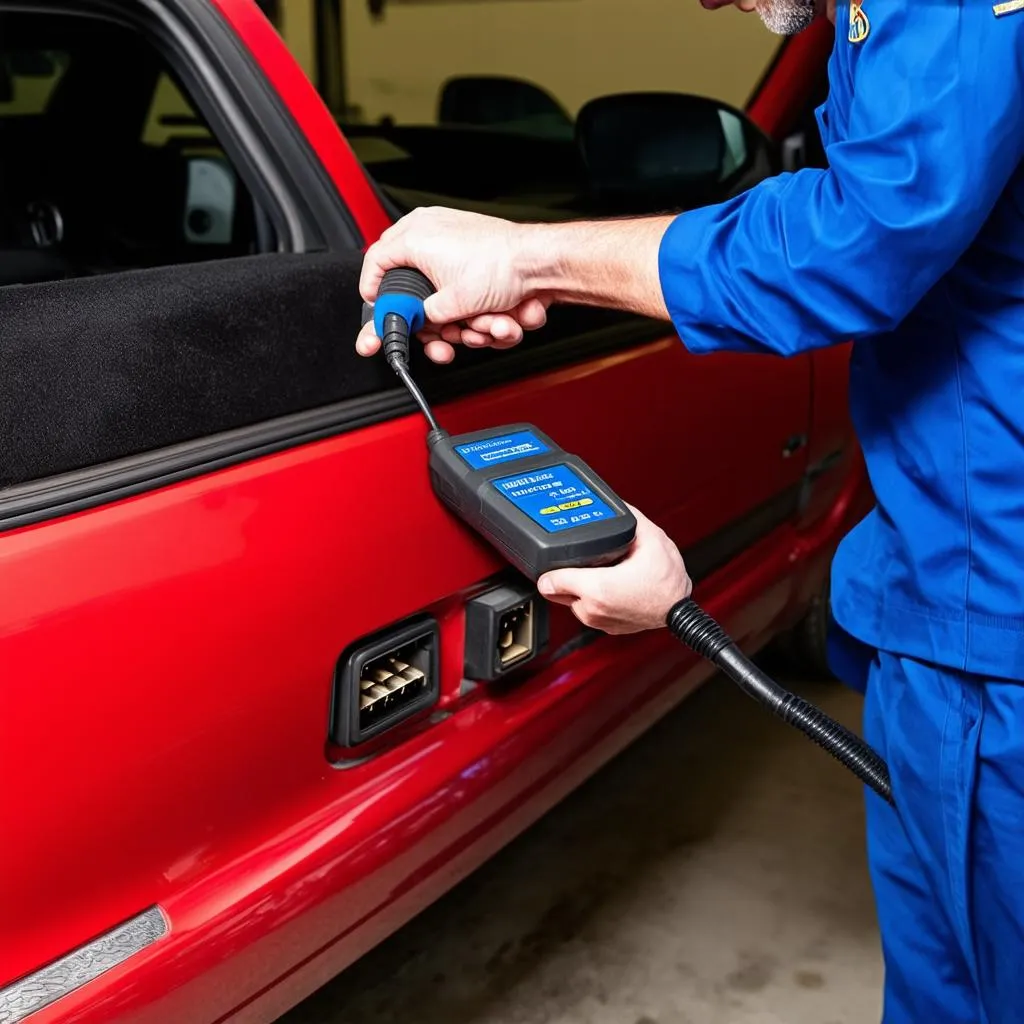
(1010, 7)
(860, 26)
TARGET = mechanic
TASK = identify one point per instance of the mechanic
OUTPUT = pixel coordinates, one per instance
(911, 245)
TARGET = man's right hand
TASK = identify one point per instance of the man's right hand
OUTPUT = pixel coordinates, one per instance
(496, 279)
(482, 270)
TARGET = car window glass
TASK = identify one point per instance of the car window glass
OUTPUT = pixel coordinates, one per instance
(477, 104)
(212, 185)
(105, 164)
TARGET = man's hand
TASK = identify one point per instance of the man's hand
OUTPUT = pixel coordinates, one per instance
(482, 270)
(635, 595)
(496, 279)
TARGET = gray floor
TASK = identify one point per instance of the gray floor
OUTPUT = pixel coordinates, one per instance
(712, 874)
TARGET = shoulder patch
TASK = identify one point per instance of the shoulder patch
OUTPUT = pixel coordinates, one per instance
(1010, 7)
(860, 26)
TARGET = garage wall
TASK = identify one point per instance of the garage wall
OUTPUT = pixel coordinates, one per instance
(297, 24)
(576, 49)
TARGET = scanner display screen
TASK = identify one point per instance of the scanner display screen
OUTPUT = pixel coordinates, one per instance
(555, 498)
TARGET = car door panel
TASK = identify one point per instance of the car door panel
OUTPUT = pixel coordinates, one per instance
(178, 647)
(217, 801)
(205, 498)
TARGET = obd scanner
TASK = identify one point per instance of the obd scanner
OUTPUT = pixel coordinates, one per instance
(541, 507)
(545, 509)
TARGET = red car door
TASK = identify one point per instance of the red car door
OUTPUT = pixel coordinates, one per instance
(207, 501)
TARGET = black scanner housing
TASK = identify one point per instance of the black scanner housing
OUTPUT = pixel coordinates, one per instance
(532, 549)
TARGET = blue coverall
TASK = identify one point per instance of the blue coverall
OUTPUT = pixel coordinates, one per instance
(911, 245)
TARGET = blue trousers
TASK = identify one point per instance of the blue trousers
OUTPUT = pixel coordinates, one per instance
(947, 864)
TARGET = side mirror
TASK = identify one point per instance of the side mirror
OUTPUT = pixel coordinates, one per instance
(503, 104)
(648, 152)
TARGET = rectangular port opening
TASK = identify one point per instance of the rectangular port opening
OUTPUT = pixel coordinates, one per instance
(515, 635)
(384, 680)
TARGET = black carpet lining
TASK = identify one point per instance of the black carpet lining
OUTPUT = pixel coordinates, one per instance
(98, 368)
(94, 369)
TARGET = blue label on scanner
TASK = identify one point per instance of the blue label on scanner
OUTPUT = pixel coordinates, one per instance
(492, 451)
(555, 497)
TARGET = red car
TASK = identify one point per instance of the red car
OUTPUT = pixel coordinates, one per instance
(240, 742)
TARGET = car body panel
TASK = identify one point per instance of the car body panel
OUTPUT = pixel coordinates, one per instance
(333, 877)
(187, 637)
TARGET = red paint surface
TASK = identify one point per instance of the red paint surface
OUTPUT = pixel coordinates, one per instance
(166, 666)
(780, 100)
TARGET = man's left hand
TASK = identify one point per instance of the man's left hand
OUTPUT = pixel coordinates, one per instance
(635, 595)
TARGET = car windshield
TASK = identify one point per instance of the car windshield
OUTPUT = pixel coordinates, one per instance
(476, 104)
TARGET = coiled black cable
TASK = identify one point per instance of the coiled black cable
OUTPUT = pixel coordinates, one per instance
(689, 623)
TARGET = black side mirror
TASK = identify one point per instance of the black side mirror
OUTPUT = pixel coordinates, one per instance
(647, 152)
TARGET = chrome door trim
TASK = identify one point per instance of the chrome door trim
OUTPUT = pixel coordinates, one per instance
(32, 992)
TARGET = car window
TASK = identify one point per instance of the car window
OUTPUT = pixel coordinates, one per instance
(479, 105)
(104, 163)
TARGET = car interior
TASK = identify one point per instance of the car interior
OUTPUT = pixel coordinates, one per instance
(94, 176)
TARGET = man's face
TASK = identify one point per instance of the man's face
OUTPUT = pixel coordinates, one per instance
(784, 17)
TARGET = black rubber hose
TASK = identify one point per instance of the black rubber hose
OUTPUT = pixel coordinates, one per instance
(689, 623)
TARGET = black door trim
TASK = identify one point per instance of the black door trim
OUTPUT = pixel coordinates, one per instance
(707, 556)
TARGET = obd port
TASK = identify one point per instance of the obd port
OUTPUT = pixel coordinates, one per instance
(505, 628)
(384, 681)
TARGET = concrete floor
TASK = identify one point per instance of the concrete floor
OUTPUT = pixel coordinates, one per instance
(713, 874)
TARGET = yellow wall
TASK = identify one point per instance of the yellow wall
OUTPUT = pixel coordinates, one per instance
(576, 49)
(298, 29)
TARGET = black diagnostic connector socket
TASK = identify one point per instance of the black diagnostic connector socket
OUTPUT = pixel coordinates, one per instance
(505, 628)
(385, 680)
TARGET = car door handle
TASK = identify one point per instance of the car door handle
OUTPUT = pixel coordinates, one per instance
(793, 445)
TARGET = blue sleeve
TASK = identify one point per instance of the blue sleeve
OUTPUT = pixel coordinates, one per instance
(935, 131)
